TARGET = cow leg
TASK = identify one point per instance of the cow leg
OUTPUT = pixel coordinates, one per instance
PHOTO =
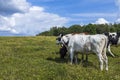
(82, 58)
(71, 55)
(106, 62)
(100, 60)
(105, 59)
(76, 58)
(109, 50)
(86, 57)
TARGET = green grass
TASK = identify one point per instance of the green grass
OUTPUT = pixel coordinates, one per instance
(37, 58)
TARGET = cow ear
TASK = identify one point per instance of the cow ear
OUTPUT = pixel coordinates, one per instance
(118, 33)
(61, 35)
(106, 33)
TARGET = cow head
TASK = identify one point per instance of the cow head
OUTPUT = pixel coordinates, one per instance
(63, 39)
(63, 52)
(113, 37)
(58, 39)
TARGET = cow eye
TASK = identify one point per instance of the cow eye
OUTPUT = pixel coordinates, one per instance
(113, 34)
(59, 39)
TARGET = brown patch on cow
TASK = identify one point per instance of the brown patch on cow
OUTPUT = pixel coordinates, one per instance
(84, 33)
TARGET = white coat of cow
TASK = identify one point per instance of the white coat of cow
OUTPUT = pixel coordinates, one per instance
(86, 43)
(113, 37)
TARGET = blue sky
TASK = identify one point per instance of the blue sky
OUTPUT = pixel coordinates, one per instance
(30, 17)
(81, 11)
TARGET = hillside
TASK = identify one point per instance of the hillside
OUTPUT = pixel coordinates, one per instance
(37, 58)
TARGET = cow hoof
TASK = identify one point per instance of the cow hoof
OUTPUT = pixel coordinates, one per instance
(106, 69)
(70, 63)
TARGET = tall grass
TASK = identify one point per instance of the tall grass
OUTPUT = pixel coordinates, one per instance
(37, 58)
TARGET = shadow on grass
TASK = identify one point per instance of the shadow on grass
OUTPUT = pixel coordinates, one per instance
(56, 52)
(117, 63)
(58, 60)
(84, 63)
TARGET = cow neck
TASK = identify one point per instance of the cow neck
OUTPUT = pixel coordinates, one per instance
(65, 44)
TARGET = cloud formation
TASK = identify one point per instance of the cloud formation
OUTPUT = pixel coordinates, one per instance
(95, 15)
(27, 19)
(9, 26)
(101, 21)
(13, 6)
(118, 5)
(118, 20)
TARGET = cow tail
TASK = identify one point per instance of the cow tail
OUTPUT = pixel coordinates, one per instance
(105, 59)
(104, 48)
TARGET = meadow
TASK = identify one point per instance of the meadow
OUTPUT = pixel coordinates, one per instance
(37, 58)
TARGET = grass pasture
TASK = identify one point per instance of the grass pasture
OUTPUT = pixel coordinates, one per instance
(37, 58)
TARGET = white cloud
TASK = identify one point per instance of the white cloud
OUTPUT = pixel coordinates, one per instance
(118, 20)
(22, 5)
(11, 6)
(6, 24)
(95, 14)
(45, 0)
(36, 20)
(117, 3)
(101, 21)
(33, 21)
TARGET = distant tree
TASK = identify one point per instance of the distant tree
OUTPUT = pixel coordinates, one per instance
(62, 30)
(75, 29)
(112, 29)
(90, 28)
(117, 27)
(45, 33)
(54, 31)
(101, 28)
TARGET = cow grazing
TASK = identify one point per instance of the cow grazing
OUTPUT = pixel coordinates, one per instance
(63, 51)
(64, 43)
(113, 39)
(66, 39)
(86, 43)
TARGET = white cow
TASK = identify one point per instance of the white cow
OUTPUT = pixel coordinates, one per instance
(86, 43)
(64, 40)
(113, 39)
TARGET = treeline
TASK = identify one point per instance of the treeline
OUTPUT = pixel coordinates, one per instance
(90, 28)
